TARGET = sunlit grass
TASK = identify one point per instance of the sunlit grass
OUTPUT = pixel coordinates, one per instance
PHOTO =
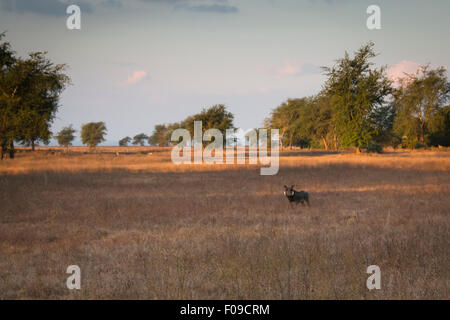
(141, 227)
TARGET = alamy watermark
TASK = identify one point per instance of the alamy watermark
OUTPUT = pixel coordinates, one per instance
(74, 280)
(73, 22)
(255, 141)
(374, 20)
(374, 281)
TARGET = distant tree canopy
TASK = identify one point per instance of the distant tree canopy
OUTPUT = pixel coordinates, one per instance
(65, 136)
(420, 105)
(124, 141)
(160, 136)
(360, 107)
(93, 133)
(29, 97)
(216, 116)
(140, 139)
(357, 107)
(304, 122)
(291, 118)
(439, 128)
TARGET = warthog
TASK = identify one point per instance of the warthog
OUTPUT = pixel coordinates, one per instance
(296, 196)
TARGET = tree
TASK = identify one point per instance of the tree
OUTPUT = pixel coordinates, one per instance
(382, 120)
(124, 141)
(356, 90)
(160, 136)
(315, 124)
(29, 97)
(93, 133)
(304, 122)
(140, 139)
(7, 98)
(439, 126)
(285, 118)
(214, 117)
(420, 98)
(65, 136)
(43, 84)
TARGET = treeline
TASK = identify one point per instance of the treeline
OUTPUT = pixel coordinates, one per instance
(360, 107)
(357, 107)
(216, 116)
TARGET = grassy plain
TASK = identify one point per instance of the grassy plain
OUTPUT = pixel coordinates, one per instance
(141, 227)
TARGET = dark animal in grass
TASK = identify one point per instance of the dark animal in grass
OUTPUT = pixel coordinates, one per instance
(296, 196)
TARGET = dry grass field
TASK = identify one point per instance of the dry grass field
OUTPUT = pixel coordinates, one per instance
(140, 227)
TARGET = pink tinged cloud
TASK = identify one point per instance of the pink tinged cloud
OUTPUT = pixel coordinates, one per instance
(288, 68)
(399, 70)
(135, 78)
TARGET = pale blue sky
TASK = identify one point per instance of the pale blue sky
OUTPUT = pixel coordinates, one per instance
(137, 63)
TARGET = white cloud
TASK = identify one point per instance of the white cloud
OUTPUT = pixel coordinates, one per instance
(135, 78)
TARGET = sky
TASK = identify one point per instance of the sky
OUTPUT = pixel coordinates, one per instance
(137, 63)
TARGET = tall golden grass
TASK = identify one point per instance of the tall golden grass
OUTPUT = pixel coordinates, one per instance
(141, 227)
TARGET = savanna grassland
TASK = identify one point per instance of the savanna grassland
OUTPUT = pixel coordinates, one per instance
(140, 227)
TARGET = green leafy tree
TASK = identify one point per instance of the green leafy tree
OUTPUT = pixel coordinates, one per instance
(317, 125)
(382, 121)
(160, 136)
(42, 84)
(168, 133)
(29, 97)
(420, 98)
(356, 90)
(8, 99)
(214, 117)
(304, 122)
(93, 133)
(285, 118)
(65, 136)
(124, 141)
(140, 139)
(439, 126)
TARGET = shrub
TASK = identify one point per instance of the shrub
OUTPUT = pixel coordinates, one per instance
(419, 145)
(374, 148)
